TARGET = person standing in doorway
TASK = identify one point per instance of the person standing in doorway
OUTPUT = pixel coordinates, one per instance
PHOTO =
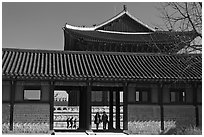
(71, 122)
(97, 119)
(104, 120)
(67, 122)
(75, 120)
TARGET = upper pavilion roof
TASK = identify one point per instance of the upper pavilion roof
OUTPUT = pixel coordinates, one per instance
(125, 28)
(122, 22)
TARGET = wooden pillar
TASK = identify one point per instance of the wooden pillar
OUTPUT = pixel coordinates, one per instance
(12, 99)
(88, 107)
(51, 104)
(125, 107)
(82, 108)
(110, 124)
(117, 109)
(85, 108)
(160, 97)
(195, 87)
(104, 98)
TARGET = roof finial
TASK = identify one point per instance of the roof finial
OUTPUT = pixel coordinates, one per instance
(124, 8)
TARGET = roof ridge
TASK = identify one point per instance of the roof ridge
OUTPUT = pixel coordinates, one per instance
(93, 52)
(111, 19)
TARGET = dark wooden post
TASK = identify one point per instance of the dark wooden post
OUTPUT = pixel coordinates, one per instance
(110, 124)
(12, 99)
(160, 96)
(117, 109)
(125, 107)
(85, 108)
(51, 104)
(82, 109)
(195, 87)
(88, 107)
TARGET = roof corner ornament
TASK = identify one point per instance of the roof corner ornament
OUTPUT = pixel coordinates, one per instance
(124, 7)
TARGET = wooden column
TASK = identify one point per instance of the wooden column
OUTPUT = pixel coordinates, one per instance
(195, 87)
(110, 124)
(160, 97)
(82, 109)
(117, 109)
(104, 98)
(88, 107)
(85, 108)
(51, 104)
(125, 107)
(12, 99)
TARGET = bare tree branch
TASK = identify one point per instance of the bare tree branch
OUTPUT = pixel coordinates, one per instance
(182, 16)
(200, 3)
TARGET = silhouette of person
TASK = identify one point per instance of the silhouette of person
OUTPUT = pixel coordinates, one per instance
(104, 120)
(71, 122)
(67, 122)
(75, 120)
(97, 119)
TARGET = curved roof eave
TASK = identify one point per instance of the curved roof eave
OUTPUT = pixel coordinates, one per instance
(79, 28)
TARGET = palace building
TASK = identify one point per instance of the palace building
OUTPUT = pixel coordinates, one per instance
(121, 66)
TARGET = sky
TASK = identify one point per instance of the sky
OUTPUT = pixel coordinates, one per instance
(38, 25)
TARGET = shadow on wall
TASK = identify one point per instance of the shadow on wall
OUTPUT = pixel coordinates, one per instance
(183, 131)
(154, 128)
(38, 128)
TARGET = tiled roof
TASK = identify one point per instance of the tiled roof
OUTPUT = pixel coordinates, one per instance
(42, 64)
(158, 36)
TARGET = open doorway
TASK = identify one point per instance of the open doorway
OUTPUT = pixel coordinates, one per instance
(100, 102)
(66, 109)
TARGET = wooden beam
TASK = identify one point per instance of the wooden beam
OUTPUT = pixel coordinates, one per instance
(51, 104)
(12, 99)
(70, 83)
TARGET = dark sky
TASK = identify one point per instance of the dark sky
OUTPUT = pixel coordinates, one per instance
(39, 25)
